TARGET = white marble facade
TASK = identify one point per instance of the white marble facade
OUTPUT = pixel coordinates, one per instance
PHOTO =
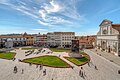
(108, 37)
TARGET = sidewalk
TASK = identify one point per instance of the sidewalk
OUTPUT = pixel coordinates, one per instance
(109, 56)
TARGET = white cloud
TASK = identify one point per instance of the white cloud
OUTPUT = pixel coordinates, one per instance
(47, 12)
(39, 29)
(54, 7)
(3, 1)
(43, 23)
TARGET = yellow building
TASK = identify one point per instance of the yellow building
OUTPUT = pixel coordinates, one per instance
(29, 38)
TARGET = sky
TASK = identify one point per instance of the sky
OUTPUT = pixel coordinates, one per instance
(33, 16)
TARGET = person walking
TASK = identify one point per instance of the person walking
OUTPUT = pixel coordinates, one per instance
(44, 72)
(15, 69)
(80, 73)
(40, 67)
(22, 71)
(14, 59)
(72, 67)
(89, 63)
(96, 67)
(36, 65)
(30, 64)
(59, 55)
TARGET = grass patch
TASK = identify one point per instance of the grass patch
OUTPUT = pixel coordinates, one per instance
(83, 53)
(77, 61)
(51, 61)
(59, 50)
(7, 55)
(28, 48)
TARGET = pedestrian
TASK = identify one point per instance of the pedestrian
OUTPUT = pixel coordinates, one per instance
(43, 73)
(84, 75)
(36, 66)
(59, 55)
(22, 71)
(40, 66)
(96, 67)
(15, 69)
(14, 59)
(80, 73)
(30, 64)
(88, 63)
(81, 68)
(19, 60)
(72, 67)
(91, 63)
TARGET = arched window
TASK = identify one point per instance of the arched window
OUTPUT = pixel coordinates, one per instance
(105, 31)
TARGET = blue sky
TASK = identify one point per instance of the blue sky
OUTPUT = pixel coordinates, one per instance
(33, 16)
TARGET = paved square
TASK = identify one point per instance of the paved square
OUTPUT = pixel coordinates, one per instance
(106, 70)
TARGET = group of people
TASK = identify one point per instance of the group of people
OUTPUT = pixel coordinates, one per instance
(16, 70)
(82, 72)
(90, 63)
(40, 66)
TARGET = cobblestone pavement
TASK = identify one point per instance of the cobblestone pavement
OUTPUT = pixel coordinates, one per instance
(106, 69)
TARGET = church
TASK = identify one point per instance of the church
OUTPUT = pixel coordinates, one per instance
(108, 37)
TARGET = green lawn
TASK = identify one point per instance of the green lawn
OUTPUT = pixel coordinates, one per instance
(51, 61)
(77, 61)
(7, 55)
(59, 50)
(83, 53)
(28, 48)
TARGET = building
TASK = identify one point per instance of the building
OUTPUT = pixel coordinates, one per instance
(55, 39)
(29, 39)
(17, 39)
(60, 39)
(87, 42)
(108, 37)
(41, 40)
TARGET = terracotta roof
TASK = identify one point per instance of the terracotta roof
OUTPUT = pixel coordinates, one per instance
(83, 40)
(87, 39)
(115, 25)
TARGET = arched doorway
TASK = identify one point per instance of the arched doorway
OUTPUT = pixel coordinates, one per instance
(109, 49)
(103, 46)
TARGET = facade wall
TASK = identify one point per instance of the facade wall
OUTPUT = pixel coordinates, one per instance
(108, 38)
(41, 40)
(60, 39)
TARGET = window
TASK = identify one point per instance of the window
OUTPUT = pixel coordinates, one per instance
(105, 31)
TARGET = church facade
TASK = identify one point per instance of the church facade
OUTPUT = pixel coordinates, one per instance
(108, 37)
